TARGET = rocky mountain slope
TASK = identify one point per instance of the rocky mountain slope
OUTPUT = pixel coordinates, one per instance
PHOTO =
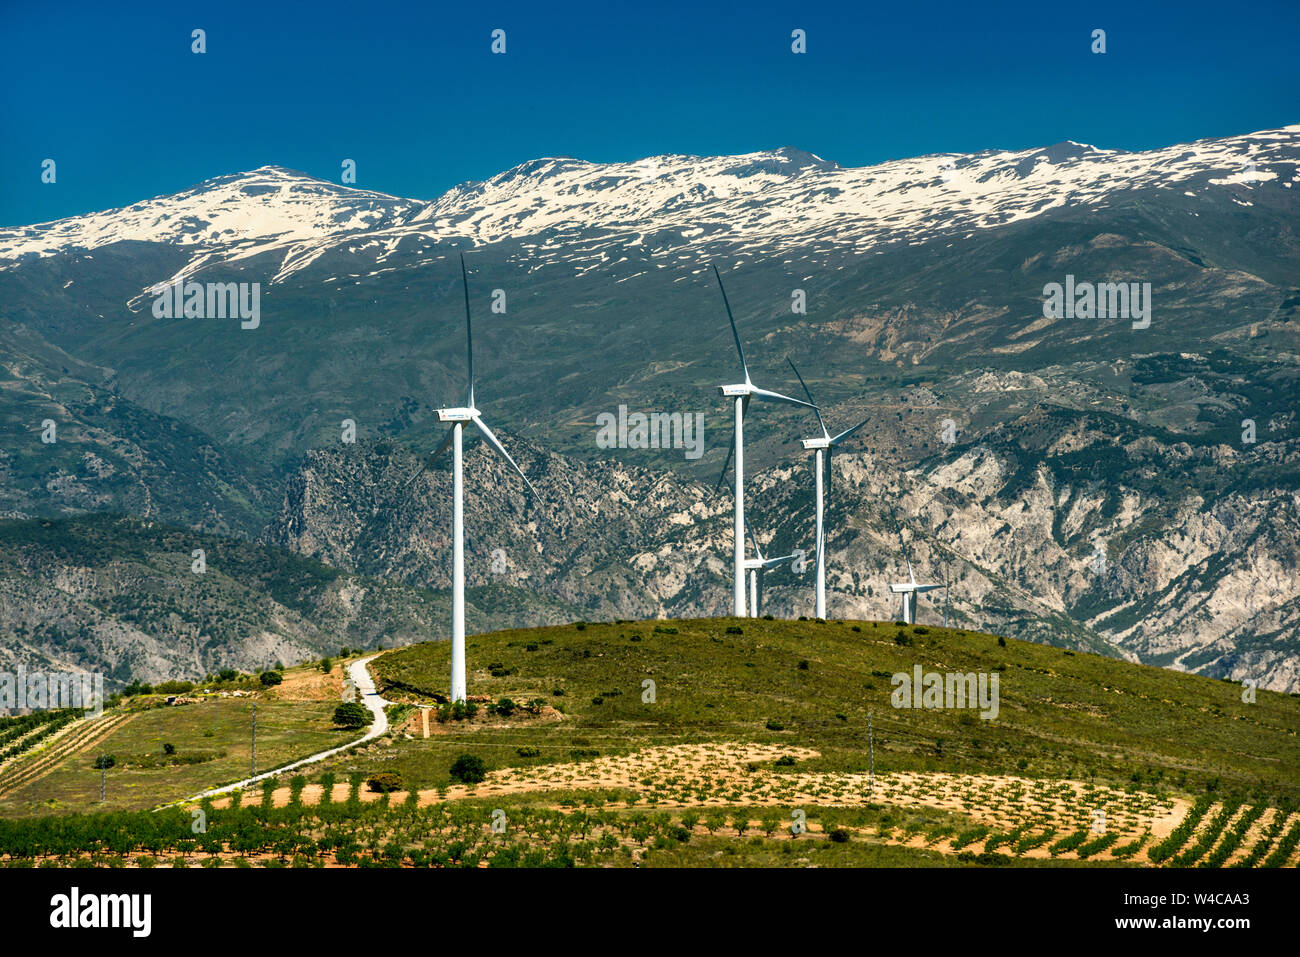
(1088, 481)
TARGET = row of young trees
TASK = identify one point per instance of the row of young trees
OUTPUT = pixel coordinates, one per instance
(21, 734)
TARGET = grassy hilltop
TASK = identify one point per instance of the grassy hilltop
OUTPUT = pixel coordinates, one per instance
(751, 730)
(1062, 713)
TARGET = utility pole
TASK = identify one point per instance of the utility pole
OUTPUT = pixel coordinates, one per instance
(254, 740)
(871, 754)
(103, 776)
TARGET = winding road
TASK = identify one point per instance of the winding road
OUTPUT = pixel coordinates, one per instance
(369, 697)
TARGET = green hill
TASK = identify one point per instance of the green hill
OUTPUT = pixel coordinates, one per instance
(722, 742)
(1062, 714)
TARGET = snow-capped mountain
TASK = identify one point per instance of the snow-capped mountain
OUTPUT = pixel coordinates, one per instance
(782, 201)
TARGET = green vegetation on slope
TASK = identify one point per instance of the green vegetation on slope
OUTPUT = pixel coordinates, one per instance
(1062, 714)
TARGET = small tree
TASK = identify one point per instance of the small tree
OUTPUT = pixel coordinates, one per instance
(270, 678)
(740, 821)
(352, 715)
(385, 782)
(326, 665)
(468, 769)
(714, 821)
(327, 787)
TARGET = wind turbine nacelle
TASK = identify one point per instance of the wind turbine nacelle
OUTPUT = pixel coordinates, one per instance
(456, 415)
(734, 390)
(810, 444)
(903, 588)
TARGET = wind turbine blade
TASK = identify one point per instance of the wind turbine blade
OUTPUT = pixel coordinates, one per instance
(493, 441)
(732, 320)
(826, 483)
(442, 447)
(902, 544)
(469, 334)
(811, 400)
(771, 396)
(726, 463)
(847, 432)
(753, 539)
(731, 443)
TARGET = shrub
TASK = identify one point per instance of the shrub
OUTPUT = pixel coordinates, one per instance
(505, 707)
(385, 782)
(270, 678)
(528, 751)
(839, 835)
(735, 630)
(326, 666)
(352, 715)
(803, 665)
(468, 769)
(774, 725)
(1002, 642)
(169, 748)
(104, 761)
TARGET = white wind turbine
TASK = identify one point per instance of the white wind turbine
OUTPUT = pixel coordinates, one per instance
(909, 589)
(757, 568)
(459, 416)
(742, 392)
(823, 448)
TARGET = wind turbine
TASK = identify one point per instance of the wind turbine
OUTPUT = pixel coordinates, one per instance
(823, 448)
(742, 392)
(459, 416)
(909, 589)
(757, 568)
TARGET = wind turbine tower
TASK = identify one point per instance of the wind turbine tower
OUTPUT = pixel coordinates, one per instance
(910, 589)
(757, 568)
(459, 417)
(741, 393)
(822, 447)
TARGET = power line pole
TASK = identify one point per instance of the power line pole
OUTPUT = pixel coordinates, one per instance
(103, 776)
(254, 739)
(871, 754)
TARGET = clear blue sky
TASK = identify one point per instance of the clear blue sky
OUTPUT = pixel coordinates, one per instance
(413, 94)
